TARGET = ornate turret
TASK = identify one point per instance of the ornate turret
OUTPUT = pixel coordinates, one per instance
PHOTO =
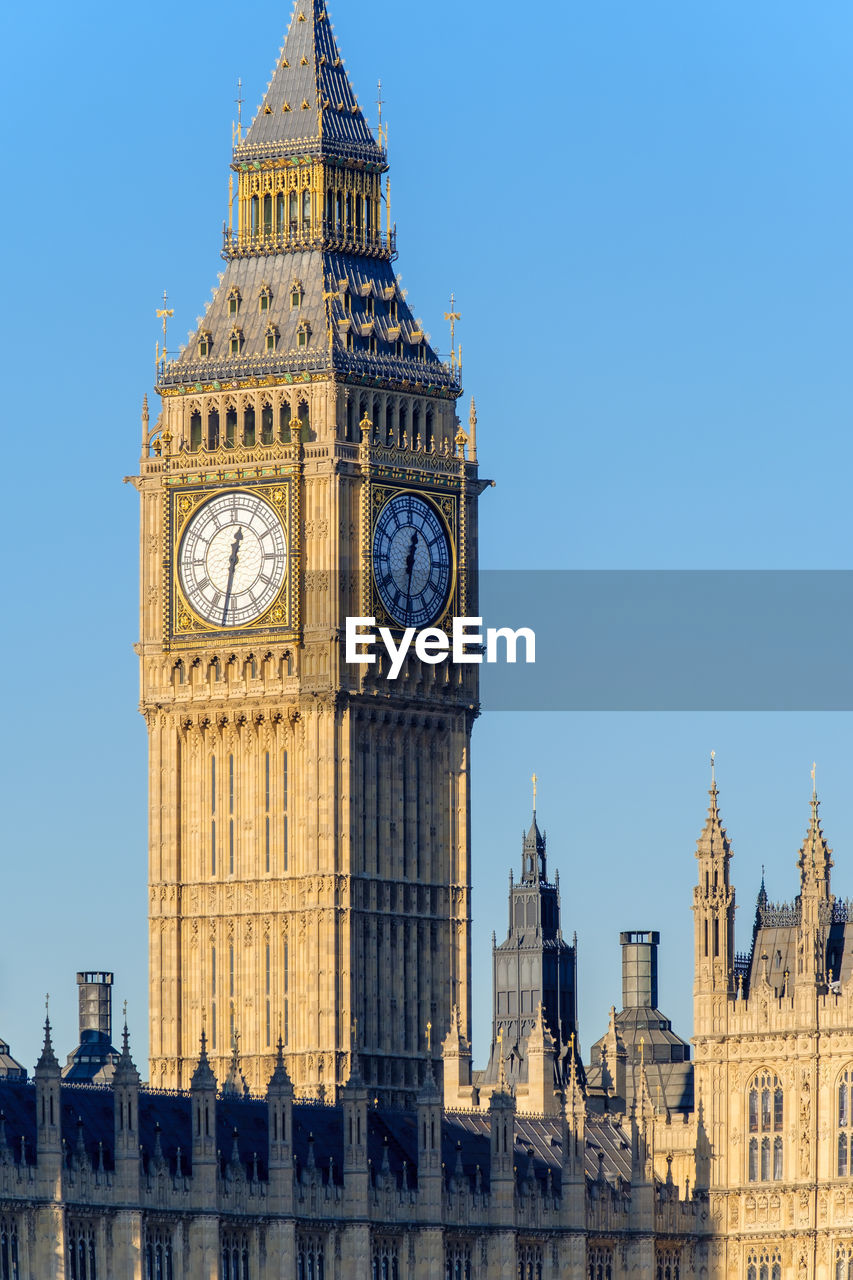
(533, 967)
(309, 281)
(714, 904)
(125, 1083)
(46, 1078)
(203, 1102)
(815, 901)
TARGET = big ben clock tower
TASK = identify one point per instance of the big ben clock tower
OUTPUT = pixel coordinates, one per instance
(309, 865)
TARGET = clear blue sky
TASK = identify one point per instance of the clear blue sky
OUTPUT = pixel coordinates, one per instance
(644, 212)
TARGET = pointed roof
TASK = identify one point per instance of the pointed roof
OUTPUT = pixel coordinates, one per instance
(48, 1063)
(815, 858)
(235, 1085)
(203, 1077)
(533, 853)
(713, 842)
(309, 106)
(280, 1081)
(125, 1072)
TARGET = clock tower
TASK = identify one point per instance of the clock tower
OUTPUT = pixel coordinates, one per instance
(309, 862)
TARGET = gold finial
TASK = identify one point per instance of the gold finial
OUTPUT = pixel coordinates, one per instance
(165, 314)
(452, 315)
(239, 102)
(230, 202)
(366, 427)
(535, 781)
(713, 768)
(814, 781)
(329, 297)
(429, 1037)
(642, 1051)
(472, 424)
(380, 102)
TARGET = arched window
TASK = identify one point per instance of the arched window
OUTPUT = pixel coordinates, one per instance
(600, 1263)
(279, 213)
(266, 421)
(236, 342)
(293, 210)
(9, 1249)
(306, 210)
(234, 300)
(234, 1257)
(844, 1262)
(264, 298)
(765, 1264)
(268, 215)
(845, 1128)
(230, 426)
(765, 1117)
(213, 429)
(195, 430)
(204, 343)
(249, 426)
(255, 215)
(668, 1265)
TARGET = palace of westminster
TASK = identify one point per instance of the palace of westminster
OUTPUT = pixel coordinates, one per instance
(312, 1110)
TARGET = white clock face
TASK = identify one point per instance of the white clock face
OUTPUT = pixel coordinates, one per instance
(412, 560)
(233, 559)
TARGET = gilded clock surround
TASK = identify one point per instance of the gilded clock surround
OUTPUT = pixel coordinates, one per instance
(447, 508)
(183, 623)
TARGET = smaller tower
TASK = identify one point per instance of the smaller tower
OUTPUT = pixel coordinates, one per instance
(94, 1060)
(126, 1105)
(203, 1103)
(280, 1127)
(713, 917)
(502, 1145)
(354, 1106)
(430, 1116)
(46, 1078)
(815, 904)
(533, 966)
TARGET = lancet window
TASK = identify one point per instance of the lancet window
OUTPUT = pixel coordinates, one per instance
(845, 1127)
(530, 1262)
(234, 1256)
(81, 1251)
(159, 1261)
(599, 1263)
(764, 1265)
(844, 1262)
(668, 1264)
(457, 1260)
(765, 1107)
(9, 1249)
(385, 1262)
(310, 1257)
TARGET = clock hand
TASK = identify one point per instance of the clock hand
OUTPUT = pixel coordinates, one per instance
(410, 567)
(232, 566)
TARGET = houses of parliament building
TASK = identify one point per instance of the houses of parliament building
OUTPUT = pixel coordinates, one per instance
(312, 1110)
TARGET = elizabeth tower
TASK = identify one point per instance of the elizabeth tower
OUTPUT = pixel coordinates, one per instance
(309, 864)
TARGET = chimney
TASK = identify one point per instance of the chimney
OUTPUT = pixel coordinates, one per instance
(96, 1005)
(639, 970)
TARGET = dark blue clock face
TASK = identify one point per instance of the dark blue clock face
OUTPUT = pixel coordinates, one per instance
(412, 561)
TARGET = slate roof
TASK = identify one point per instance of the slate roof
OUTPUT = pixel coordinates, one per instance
(309, 106)
(317, 273)
(88, 1117)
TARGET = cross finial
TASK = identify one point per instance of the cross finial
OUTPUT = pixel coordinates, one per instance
(239, 102)
(814, 781)
(713, 768)
(429, 1037)
(165, 314)
(452, 315)
(47, 1004)
(535, 781)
